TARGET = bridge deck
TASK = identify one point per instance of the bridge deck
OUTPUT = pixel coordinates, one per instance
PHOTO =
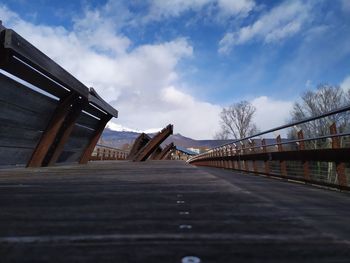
(163, 211)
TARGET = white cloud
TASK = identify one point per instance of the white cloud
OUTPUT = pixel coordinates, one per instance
(142, 83)
(271, 113)
(345, 4)
(345, 85)
(173, 8)
(281, 22)
(236, 7)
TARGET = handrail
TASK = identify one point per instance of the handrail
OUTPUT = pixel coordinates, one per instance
(329, 113)
(238, 155)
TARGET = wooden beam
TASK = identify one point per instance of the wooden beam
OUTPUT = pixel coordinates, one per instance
(38, 60)
(50, 134)
(95, 99)
(90, 148)
(153, 144)
(65, 132)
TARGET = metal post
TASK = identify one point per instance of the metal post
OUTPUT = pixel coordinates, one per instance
(282, 162)
(301, 147)
(267, 162)
(252, 149)
(340, 166)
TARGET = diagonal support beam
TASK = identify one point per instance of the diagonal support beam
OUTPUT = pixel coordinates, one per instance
(153, 144)
(64, 134)
(156, 153)
(139, 143)
(85, 157)
(50, 137)
(164, 153)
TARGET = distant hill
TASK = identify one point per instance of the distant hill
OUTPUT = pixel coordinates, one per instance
(119, 139)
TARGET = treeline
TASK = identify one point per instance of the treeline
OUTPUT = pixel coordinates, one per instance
(237, 120)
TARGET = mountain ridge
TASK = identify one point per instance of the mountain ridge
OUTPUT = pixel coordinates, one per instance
(120, 139)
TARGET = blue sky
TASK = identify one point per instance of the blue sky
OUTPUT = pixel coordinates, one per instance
(181, 61)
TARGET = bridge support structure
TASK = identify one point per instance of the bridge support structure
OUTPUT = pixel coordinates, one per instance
(47, 116)
(153, 144)
(164, 153)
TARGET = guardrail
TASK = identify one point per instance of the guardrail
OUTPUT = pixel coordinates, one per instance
(103, 153)
(313, 151)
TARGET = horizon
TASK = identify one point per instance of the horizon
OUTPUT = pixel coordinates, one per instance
(181, 62)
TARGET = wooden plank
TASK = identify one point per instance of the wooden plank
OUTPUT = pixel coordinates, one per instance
(14, 156)
(38, 60)
(18, 94)
(94, 111)
(52, 131)
(14, 115)
(71, 156)
(79, 136)
(90, 147)
(88, 121)
(99, 102)
(22, 71)
(18, 137)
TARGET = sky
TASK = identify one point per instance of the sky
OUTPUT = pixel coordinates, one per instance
(181, 61)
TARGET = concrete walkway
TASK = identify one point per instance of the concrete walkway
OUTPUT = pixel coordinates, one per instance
(167, 211)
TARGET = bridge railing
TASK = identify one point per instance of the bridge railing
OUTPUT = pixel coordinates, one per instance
(102, 153)
(314, 150)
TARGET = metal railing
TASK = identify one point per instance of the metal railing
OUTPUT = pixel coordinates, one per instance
(315, 150)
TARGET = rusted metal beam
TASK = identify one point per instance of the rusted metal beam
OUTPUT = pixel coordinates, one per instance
(306, 168)
(166, 150)
(156, 153)
(266, 162)
(153, 144)
(340, 166)
(93, 141)
(139, 143)
(52, 131)
(283, 165)
(64, 134)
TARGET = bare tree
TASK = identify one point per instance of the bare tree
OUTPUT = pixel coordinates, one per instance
(325, 98)
(237, 121)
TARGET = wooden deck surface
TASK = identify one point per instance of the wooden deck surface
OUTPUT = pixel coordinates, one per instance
(167, 211)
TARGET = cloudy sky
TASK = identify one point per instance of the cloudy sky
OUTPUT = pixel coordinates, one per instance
(181, 61)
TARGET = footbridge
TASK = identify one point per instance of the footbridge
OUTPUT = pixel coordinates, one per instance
(278, 196)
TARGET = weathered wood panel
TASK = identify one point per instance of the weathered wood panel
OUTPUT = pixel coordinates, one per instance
(88, 121)
(18, 137)
(94, 111)
(18, 94)
(26, 51)
(14, 156)
(22, 71)
(24, 114)
(78, 141)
